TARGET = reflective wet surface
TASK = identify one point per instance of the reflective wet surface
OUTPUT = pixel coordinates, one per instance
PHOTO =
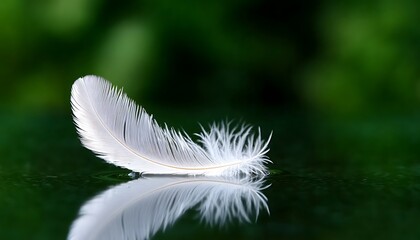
(140, 208)
(330, 180)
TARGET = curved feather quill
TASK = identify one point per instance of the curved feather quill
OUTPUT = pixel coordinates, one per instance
(117, 130)
(140, 208)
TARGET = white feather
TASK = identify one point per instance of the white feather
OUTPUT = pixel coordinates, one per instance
(117, 130)
(140, 208)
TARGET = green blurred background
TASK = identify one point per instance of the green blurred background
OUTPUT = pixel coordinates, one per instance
(337, 82)
(349, 58)
(325, 76)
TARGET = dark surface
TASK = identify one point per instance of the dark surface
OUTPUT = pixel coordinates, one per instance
(331, 179)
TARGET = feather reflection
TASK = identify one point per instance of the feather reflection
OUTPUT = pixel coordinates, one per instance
(140, 208)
